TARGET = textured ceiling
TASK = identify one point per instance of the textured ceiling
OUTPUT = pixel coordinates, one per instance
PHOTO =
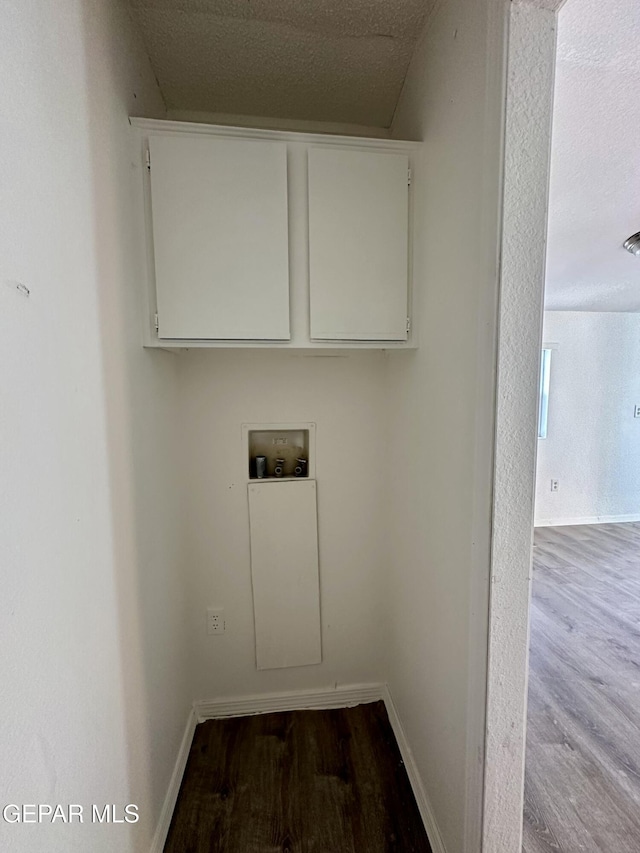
(323, 60)
(594, 200)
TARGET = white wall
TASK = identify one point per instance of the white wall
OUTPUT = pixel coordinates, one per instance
(441, 400)
(595, 171)
(531, 52)
(345, 396)
(94, 694)
(593, 440)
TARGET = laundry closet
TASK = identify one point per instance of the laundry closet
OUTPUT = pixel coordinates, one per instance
(278, 267)
(248, 321)
(314, 286)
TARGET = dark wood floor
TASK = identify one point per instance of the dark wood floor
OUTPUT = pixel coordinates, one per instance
(297, 782)
(582, 790)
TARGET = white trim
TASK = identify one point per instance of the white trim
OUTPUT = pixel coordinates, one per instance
(169, 804)
(271, 123)
(422, 800)
(295, 700)
(587, 519)
(150, 125)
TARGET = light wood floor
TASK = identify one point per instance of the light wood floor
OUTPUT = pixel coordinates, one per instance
(582, 790)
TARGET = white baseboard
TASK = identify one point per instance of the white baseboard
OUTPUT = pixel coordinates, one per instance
(298, 700)
(169, 804)
(586, 519)
(295, 700)
(424, 806)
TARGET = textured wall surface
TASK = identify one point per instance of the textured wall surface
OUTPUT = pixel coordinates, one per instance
(593, 442)
(594, 203)
(528, 128)
(327, 61)
(93, 700)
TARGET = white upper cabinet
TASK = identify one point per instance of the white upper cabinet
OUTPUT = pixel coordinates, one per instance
(258, 238)
(358, 244)
(220, 238)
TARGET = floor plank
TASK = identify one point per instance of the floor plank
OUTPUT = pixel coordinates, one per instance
(582, 780)
(297, 782)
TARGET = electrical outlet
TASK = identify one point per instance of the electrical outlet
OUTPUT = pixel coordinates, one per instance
(215, 620)
(555, 485)
(636, 411)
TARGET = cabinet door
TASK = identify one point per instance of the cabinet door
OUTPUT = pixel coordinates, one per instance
(220, 236)
(284, 573)
(358, 245)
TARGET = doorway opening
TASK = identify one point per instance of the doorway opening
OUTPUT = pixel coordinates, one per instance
(575, 320)
(583, 729)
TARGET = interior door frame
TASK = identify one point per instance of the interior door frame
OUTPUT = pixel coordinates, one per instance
(531, 52)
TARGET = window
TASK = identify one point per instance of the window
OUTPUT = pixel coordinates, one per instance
(543, 407)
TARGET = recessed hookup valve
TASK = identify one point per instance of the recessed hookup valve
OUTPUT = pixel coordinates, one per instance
(301, 468)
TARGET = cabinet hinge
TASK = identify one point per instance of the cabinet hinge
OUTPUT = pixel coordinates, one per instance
(147, 159)
(156, 322)
(409, 176)
(408, 324)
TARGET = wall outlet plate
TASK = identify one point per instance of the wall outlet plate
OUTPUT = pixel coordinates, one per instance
(215, 620)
